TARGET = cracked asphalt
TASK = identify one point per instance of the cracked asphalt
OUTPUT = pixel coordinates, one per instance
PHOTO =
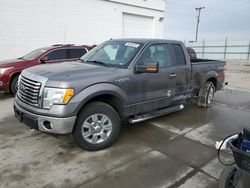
(176, 150)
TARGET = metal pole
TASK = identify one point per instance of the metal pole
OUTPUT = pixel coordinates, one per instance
(198, 22)
(225, 49)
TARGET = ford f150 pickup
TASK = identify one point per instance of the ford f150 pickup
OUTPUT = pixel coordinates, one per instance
(123, 79)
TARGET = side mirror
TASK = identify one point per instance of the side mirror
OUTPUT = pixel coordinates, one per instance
(147, 67)
(44, 59)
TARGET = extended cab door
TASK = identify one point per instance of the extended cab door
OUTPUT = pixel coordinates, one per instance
(154, 90)
(182, 69)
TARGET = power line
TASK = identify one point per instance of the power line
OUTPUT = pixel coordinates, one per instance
(198, 9)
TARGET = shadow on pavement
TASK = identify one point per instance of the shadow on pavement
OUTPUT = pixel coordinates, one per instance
(5, 96)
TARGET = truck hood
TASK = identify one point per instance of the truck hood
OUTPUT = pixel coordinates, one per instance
(11, 63)
(70, 71)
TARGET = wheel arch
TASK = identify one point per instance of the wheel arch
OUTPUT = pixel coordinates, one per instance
(214, 81)
(104, 92)
(107, 98)
(212, 76)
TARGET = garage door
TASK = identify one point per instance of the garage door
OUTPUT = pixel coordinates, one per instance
(136, 26)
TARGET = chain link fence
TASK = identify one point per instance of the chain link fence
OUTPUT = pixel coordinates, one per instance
(221, 49)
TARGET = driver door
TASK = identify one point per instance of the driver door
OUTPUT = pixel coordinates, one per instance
(154, 90)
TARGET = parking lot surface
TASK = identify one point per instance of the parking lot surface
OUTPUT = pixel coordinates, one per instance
(176, 150)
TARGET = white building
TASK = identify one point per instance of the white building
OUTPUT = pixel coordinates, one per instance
(29, 24)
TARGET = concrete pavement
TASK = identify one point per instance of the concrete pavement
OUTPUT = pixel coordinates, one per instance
(176, 150)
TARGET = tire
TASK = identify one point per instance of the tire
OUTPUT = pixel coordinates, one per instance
(206, 95)
(13, 85)
(97, 127)
(226, 177)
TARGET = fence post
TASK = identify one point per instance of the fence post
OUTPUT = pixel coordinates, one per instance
(203, 48)
(248, 54)
(225, 49)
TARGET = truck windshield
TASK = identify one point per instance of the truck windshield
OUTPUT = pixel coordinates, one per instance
(113, 53)
(34, 54)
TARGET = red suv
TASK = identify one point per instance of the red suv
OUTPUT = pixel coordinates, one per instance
(10, 69)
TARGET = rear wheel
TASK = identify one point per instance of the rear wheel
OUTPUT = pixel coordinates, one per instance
(14, 85)
(226, 177)
(206, 95)
(97, 126)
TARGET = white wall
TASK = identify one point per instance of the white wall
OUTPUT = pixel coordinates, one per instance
(30, 24)
(151, 4)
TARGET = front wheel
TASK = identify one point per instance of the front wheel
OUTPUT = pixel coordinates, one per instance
(227, 177)
(97, 126)
(14, 85)
(206, 95)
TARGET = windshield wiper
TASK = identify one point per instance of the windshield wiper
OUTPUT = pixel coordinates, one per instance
(20, 58)
(98, 62)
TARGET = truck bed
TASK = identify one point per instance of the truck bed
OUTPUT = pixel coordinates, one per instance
(201, 68)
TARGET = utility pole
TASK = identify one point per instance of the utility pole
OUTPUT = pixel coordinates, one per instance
(198, 21)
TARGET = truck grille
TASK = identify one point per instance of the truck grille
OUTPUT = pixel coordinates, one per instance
(28, 90)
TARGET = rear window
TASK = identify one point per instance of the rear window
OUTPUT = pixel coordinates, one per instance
(179, 55)
(77, 53)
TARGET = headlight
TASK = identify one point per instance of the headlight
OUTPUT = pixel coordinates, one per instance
(2, 70)
(53, 96)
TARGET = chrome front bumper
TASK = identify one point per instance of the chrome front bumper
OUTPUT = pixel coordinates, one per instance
(45, 123)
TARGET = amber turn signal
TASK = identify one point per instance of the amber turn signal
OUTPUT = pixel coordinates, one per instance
(151, 69)
(68, 95)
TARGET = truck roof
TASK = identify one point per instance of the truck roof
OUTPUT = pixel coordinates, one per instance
(146, 40)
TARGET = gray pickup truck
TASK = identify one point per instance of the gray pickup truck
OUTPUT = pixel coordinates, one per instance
(126, 79)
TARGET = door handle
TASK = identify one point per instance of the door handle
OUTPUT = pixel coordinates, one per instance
(172, 75)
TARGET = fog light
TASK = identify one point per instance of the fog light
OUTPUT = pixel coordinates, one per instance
(1, 83)
(47, 125)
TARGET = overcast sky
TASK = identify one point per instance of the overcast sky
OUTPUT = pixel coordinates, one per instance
(220, 19)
